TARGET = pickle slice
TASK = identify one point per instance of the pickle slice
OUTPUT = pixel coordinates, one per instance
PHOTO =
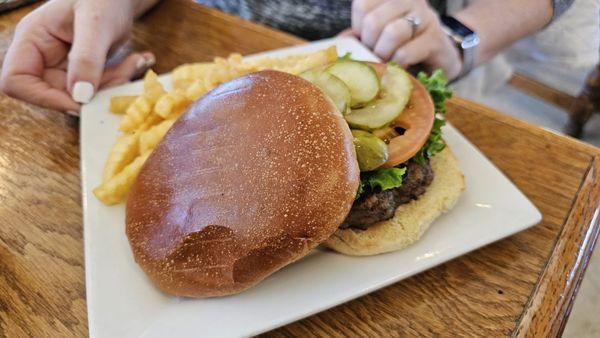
(360, 78)
(371, 151)
(332, 87)
(396, 89)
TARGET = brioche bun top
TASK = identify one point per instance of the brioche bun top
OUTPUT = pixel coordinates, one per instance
(253, 176)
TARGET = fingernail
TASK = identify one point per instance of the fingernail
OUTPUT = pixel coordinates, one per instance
(141, 62)
(145, 62)
(150, 61)
(82, 92)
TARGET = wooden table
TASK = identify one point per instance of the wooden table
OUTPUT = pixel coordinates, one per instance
(524, 285)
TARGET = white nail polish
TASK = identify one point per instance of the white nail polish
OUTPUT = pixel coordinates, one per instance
(141, 63)
(150, 61)
(82, 92)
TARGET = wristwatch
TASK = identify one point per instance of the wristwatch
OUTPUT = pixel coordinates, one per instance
(466, 41)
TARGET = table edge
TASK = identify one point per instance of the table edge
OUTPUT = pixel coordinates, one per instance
(549, 305)
(530, 128)
(557, 285)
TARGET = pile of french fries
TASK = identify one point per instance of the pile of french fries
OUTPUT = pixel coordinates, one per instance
(149, 116)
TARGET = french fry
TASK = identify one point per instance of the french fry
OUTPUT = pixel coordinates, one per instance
(150, 138)
(236, 60)
(150, 121)
(119, 104)
(196, 89)
(225, 70)
(135, 114)
(183, 76)
(296, 64)
(116, 188)
(221, 70)
(122, 153)
(138, 112)
(153, 89)
(172, 104)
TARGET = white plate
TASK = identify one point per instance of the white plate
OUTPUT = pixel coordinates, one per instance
(123, 303)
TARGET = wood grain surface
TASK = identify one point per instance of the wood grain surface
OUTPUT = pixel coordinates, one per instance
(523, 285)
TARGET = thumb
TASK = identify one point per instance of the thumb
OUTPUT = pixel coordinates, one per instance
(93, 35)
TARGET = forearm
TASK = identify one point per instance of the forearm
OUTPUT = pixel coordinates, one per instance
(142, 6)
(500, 23)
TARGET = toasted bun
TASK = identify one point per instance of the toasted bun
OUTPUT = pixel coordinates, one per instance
(256, 174)
(411, 220)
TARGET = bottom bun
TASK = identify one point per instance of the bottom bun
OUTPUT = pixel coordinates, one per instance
(412, 219)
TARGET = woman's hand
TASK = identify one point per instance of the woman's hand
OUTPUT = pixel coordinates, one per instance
(58, 56)
(382, 25)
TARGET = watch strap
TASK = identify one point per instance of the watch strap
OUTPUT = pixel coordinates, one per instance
(465, 40)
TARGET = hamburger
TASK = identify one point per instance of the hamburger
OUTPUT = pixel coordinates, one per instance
(264, 168)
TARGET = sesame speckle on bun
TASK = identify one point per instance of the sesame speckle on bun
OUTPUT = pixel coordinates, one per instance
(254, 175)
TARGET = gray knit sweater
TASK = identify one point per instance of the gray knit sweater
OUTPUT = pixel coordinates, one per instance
(317, 19)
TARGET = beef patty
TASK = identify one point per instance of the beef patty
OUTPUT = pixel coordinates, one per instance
(375, 206)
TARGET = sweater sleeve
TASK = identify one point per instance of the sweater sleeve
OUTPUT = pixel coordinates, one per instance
(559, 7)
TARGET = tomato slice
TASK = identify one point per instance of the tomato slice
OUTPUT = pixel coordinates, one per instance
(416, 120)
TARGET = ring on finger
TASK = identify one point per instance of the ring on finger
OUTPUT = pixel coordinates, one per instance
(414, 23)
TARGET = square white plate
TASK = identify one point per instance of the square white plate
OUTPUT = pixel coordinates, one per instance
(123, 303)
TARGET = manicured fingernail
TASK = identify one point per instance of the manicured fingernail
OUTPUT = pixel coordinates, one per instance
(82, 92)
(150, 60)
(145, 61)
(141, 62)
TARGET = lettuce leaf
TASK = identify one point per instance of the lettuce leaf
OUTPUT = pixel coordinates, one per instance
(436, 84)
(380, 180)
(389, 178)
(383, 179)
